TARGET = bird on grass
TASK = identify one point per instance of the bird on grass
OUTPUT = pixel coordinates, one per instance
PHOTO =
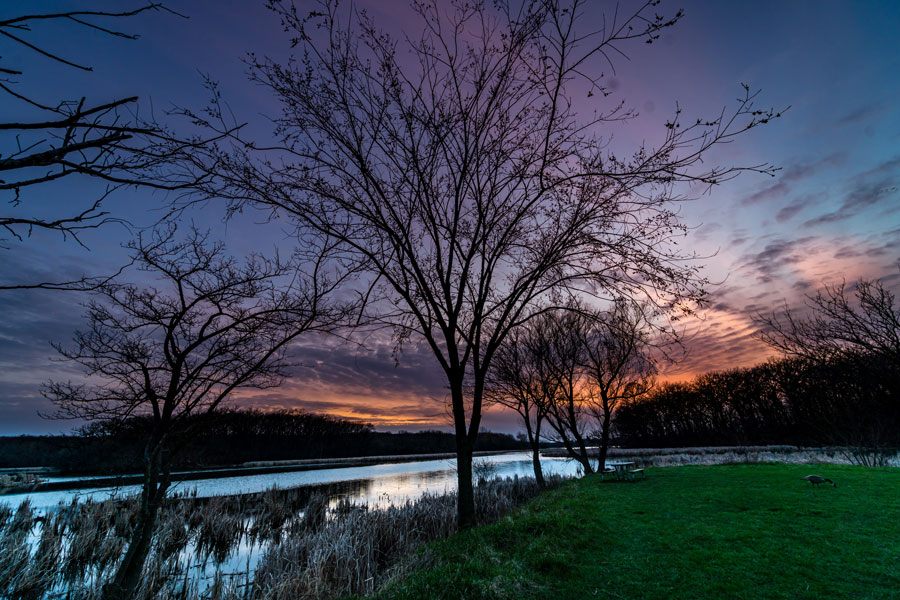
(816, 480)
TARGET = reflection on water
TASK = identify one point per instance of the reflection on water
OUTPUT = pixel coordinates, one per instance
(224, 527)
(376, 485)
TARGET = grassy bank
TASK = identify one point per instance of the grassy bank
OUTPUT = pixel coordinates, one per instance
(737, 531)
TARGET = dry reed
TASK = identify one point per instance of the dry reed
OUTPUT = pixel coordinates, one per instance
(309, 544)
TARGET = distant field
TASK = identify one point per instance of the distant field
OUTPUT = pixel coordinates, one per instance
(694, 532)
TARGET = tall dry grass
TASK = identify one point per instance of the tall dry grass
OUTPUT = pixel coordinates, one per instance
(718, 455)
(308, 543)
(362, 549)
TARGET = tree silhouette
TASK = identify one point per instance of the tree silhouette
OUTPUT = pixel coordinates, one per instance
(173, 352)
(516, 381)
(455, 168)
(617, 364)
(569, 412)
(863, 320)
(852, 337)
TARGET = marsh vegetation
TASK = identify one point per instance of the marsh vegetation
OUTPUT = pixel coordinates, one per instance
(296, 543)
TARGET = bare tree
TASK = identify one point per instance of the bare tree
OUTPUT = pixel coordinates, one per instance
(455, 168)
(617, 363)
(864, 321)
(572, 367)
(564, 379)
(174, 352)
(43, 140)
(514, 381)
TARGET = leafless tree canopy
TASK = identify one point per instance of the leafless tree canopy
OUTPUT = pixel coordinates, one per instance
(178, 347)
(517, 380)
(864, 320)
(68, 136)
(454, 166)
(617, 352)
(618, 363)
(212, 326)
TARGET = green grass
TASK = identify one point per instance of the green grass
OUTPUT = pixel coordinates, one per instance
(735, 531)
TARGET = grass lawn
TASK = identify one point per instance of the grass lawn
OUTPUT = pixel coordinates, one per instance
(735, 531)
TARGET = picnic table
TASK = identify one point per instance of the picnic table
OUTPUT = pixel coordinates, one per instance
(621, 469)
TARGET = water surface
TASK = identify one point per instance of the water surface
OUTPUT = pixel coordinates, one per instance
(377, 485)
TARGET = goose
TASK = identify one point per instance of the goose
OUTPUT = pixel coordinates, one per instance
(816, 480)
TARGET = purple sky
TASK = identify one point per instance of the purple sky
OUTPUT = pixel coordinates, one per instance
(832, 212)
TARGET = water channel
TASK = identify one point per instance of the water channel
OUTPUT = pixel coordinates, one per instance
(375, 485)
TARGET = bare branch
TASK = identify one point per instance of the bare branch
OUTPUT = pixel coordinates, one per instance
(105, 141)
(863, 320)
(455, 170)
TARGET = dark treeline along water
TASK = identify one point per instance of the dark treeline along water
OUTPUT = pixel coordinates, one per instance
(847, 400)
(229, 437)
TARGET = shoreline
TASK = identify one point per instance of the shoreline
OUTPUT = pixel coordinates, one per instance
(248, 468)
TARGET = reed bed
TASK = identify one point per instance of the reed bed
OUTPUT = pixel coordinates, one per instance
(296, 543)
(361, 550)
(721, 455)
(671, 457)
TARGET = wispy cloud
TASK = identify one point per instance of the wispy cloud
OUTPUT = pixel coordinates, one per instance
(861, 113)
(779, 271)
(878, 187)
(791, 210)
(790, 176)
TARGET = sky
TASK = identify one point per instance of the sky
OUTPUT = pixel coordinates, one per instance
(831, 213)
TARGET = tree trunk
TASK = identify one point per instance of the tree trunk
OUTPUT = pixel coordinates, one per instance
(536, 463)
(604, 443)
(465, 443)
(465, 489)
(585, 459)
(582, 457)
(535, 439)
(128, 576)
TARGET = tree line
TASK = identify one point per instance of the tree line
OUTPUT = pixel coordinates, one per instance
(846, 401)
(837, 382)
(229, 437)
